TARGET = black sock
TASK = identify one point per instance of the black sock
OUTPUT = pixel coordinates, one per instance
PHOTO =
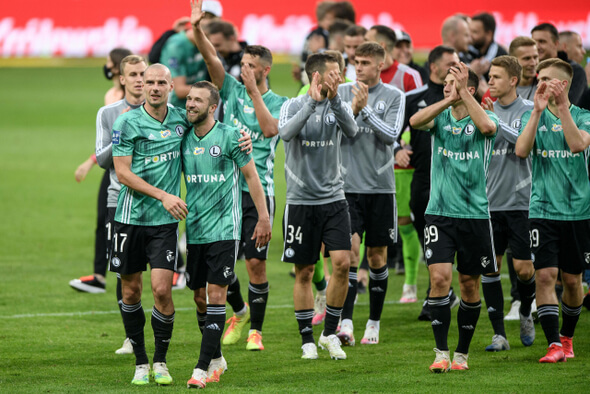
(162, 325)
(332, 318)
(526, 291)
(234, 296)
(351, 295)
(549, 317)
(134, 322)
(467, 317)
(569, 319)
(257, 298)
(201, 319)
(492, 293)
(440, 314)
(119, 295)
(304, 317)
(378, 279)
(212, 332)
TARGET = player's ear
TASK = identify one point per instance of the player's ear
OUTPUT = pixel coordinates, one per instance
(122, 80)
(212, 108)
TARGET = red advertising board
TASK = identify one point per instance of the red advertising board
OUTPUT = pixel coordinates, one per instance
(82, 28)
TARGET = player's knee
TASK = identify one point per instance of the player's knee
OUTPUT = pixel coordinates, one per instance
(439, 282)
(525, 270)
(341, 265)
(545, 278)
(571, 281)
(256, 270)
(162, 293)
(200, 300)
(304, 273)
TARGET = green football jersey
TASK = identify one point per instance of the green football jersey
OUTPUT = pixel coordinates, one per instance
(183, 59)
(155, 148)
(560, 189)
(460, 158)
(211, 166)
(239, 112)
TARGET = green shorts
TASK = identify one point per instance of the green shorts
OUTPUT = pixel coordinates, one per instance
(403, 180)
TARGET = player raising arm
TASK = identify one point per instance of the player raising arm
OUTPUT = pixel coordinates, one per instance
(457, 217)
(556, 133)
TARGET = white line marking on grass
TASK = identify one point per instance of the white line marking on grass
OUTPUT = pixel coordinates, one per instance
(116, 311)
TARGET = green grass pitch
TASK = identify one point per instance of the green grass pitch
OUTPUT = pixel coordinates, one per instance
(53, 339)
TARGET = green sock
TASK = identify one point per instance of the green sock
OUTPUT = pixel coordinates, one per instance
(319, 279)
(411, 251)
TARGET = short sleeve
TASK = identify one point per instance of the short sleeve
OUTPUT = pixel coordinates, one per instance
(122, 138)
(172, 57)
(240, 157)
(230, 84)
(524, 119)
(583, 120)
(494, 119)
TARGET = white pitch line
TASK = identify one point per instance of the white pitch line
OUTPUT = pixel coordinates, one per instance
(116, 311)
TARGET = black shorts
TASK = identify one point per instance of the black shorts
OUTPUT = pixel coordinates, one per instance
(249, 221)
(470, 239)
(305, 227)
(134, 246)
(210, 263)
(561, 244)
(511, 228)
(375, 215)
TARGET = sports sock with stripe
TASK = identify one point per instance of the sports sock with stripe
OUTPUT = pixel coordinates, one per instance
(549, 318)
(348, 308)
(304, 317)
(440, 315)
(467, 318)
(569, 319)
(332, 318)
(234, 295)
(257, 299)
(134, 322)
(378, 280)
(162, 325)
(526, 291)
(492, 294)
(212, 332)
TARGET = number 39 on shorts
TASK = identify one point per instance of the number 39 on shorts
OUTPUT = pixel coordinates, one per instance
(430, 234)
(534, 238)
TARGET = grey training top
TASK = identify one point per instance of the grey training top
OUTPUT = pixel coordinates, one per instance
(367, 158)
(509, 177)
(104, 154)
(311, 132)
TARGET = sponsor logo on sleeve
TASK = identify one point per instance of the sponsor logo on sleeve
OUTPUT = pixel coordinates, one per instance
(116, 137)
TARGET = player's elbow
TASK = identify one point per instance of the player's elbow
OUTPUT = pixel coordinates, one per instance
(488, 129)
(577, 148)
(521, 151)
